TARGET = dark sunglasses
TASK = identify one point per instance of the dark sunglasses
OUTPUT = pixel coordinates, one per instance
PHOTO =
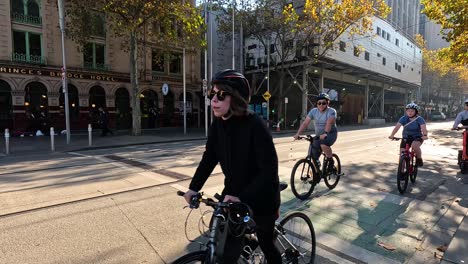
(220, 94)
(322, 103)
(466, 104)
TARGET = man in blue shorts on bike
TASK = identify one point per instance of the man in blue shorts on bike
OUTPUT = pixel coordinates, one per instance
(325, 127)
(414, 131)
(462, 117)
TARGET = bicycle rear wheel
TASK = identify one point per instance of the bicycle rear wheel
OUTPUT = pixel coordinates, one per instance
(331, 178)
(302, 176)
(402, 175)
(297, 239)
(197, 257)
(414, 171)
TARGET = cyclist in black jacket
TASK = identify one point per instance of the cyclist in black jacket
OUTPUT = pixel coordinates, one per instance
(241, 143)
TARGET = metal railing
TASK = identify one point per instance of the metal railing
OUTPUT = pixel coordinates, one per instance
(26, 19)
(96, 66)
(32, 59)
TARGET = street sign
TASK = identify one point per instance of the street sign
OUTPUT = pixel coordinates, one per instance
(285, 100)
(267, 95)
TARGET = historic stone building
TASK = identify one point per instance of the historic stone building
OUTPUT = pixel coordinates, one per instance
(98, 75)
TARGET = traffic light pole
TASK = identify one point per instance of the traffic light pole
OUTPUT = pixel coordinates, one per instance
(64, 68)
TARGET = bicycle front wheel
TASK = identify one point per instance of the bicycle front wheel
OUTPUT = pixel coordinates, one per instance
(402, 175)
(297, 240)
(302, 175)
(332, 177)
(197, 257)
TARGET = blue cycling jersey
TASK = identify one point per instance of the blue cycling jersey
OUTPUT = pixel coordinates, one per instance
(412, 129)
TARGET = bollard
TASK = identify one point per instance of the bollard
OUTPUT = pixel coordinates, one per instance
(90, 134)
(7, 141)
(52, 141)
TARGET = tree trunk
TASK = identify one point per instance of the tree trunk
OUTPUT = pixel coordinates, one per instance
(305, 92)
(136, 112)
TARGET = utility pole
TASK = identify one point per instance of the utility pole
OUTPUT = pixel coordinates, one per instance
(205, 81)
(185, 91)
(233, 33)
(61, 8)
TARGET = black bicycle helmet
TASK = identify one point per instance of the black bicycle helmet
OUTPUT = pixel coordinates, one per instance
(323, 96)
(235, 80)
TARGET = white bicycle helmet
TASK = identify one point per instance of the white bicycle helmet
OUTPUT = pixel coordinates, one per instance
(413, 106)
(466, 101)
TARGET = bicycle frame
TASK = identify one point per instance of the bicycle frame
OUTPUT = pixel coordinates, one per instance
(217, 238)
(409, 154)
(309, 154)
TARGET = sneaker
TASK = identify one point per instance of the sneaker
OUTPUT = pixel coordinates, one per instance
(419, 162)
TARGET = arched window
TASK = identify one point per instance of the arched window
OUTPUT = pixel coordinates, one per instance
(33, 8)
(122, 106)
(73, 101)
(35, 98)
(97, 97)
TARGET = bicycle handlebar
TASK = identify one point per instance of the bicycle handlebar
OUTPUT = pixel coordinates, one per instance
(308, 137)
(197, 199)
(460, 128)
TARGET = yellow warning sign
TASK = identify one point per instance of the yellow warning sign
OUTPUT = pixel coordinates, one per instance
(267, 95)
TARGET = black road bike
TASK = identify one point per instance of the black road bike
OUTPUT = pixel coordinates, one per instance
(294, 235)
(306, 173)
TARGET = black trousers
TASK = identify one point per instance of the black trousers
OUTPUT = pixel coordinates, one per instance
(105, 130)
(265, 226)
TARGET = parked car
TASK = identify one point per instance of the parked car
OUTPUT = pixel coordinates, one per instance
(437, 116)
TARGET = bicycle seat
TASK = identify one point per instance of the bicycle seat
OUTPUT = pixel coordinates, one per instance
(283, 186)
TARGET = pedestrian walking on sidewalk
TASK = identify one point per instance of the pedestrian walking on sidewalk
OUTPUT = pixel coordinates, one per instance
(103, 120)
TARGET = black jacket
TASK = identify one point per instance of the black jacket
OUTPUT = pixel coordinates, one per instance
(244, 148)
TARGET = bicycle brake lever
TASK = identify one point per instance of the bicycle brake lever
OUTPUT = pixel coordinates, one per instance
(195, 201)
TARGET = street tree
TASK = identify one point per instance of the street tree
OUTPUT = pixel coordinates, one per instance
(443, 80)
(166, 24)
(451, 15)
(309, 30)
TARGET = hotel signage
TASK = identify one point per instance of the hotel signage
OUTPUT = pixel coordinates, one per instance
(58, 74)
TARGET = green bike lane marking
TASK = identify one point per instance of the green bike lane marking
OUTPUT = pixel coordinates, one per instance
(364, 217)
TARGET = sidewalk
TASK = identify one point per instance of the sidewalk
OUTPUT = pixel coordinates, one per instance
(21, 146)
